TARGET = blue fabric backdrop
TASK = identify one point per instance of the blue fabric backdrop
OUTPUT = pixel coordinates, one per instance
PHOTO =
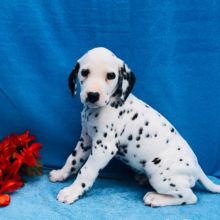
(172, 46)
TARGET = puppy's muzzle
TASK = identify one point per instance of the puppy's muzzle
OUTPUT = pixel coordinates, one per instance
(92, 97)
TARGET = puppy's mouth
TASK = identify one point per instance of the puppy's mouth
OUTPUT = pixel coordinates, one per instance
(92, 105)
(95, 105)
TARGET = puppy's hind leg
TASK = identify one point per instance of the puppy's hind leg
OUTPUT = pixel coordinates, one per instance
(180, 197)
(170, 189)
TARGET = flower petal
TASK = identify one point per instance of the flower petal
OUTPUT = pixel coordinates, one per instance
(4, 199)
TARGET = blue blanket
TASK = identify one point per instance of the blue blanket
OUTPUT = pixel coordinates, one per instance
(110, 198)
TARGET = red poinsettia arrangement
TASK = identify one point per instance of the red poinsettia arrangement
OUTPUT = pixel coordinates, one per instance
(19, 156)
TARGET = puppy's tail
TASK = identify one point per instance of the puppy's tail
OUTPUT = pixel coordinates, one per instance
(207, 183)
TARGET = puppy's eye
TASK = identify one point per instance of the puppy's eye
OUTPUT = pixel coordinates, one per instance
(85, 73)
(110, 76)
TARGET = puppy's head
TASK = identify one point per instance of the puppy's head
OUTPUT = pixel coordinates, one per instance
(103, 78)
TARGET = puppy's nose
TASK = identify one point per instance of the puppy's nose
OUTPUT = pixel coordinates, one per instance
(93, 97)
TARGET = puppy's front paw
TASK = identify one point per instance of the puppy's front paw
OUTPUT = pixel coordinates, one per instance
(67, 195)
(57, 175)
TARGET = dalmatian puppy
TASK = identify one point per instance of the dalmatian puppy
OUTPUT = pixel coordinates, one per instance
(117, 124)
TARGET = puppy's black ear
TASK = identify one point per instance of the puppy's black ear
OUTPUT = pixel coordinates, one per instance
(125, 85)
(72, 79)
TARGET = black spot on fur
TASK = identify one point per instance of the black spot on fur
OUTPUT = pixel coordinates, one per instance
(121, 113)
(147, 106)
(106, 147)
(178, 148)
(72, 169)
(89, 115)
(140, 131)
(187, 164)
(134, 116)
(167, 168)
(143, 162)
(95, 128)
(146, 123)
(184, 203)
(122, 131)
(83, 185)
(99, 141)
(81, 160)
(96, 115)
(116, 135)
(180, 196)
(167, 141)
(105, 134)
(138, 145)
(172, 130)
(81, 139)
(156, 160)
(113, 104)
(155, 135)
(148, 135)
(74, 153)
(181, 159)
(172, 185)
(86, 148)
(112, 153)
(130, 137)
(73, 162)
(164, 179)
(138, 138)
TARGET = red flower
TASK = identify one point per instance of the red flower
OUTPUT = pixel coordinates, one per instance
(15, 152)
(29, 155)
(4, 199)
